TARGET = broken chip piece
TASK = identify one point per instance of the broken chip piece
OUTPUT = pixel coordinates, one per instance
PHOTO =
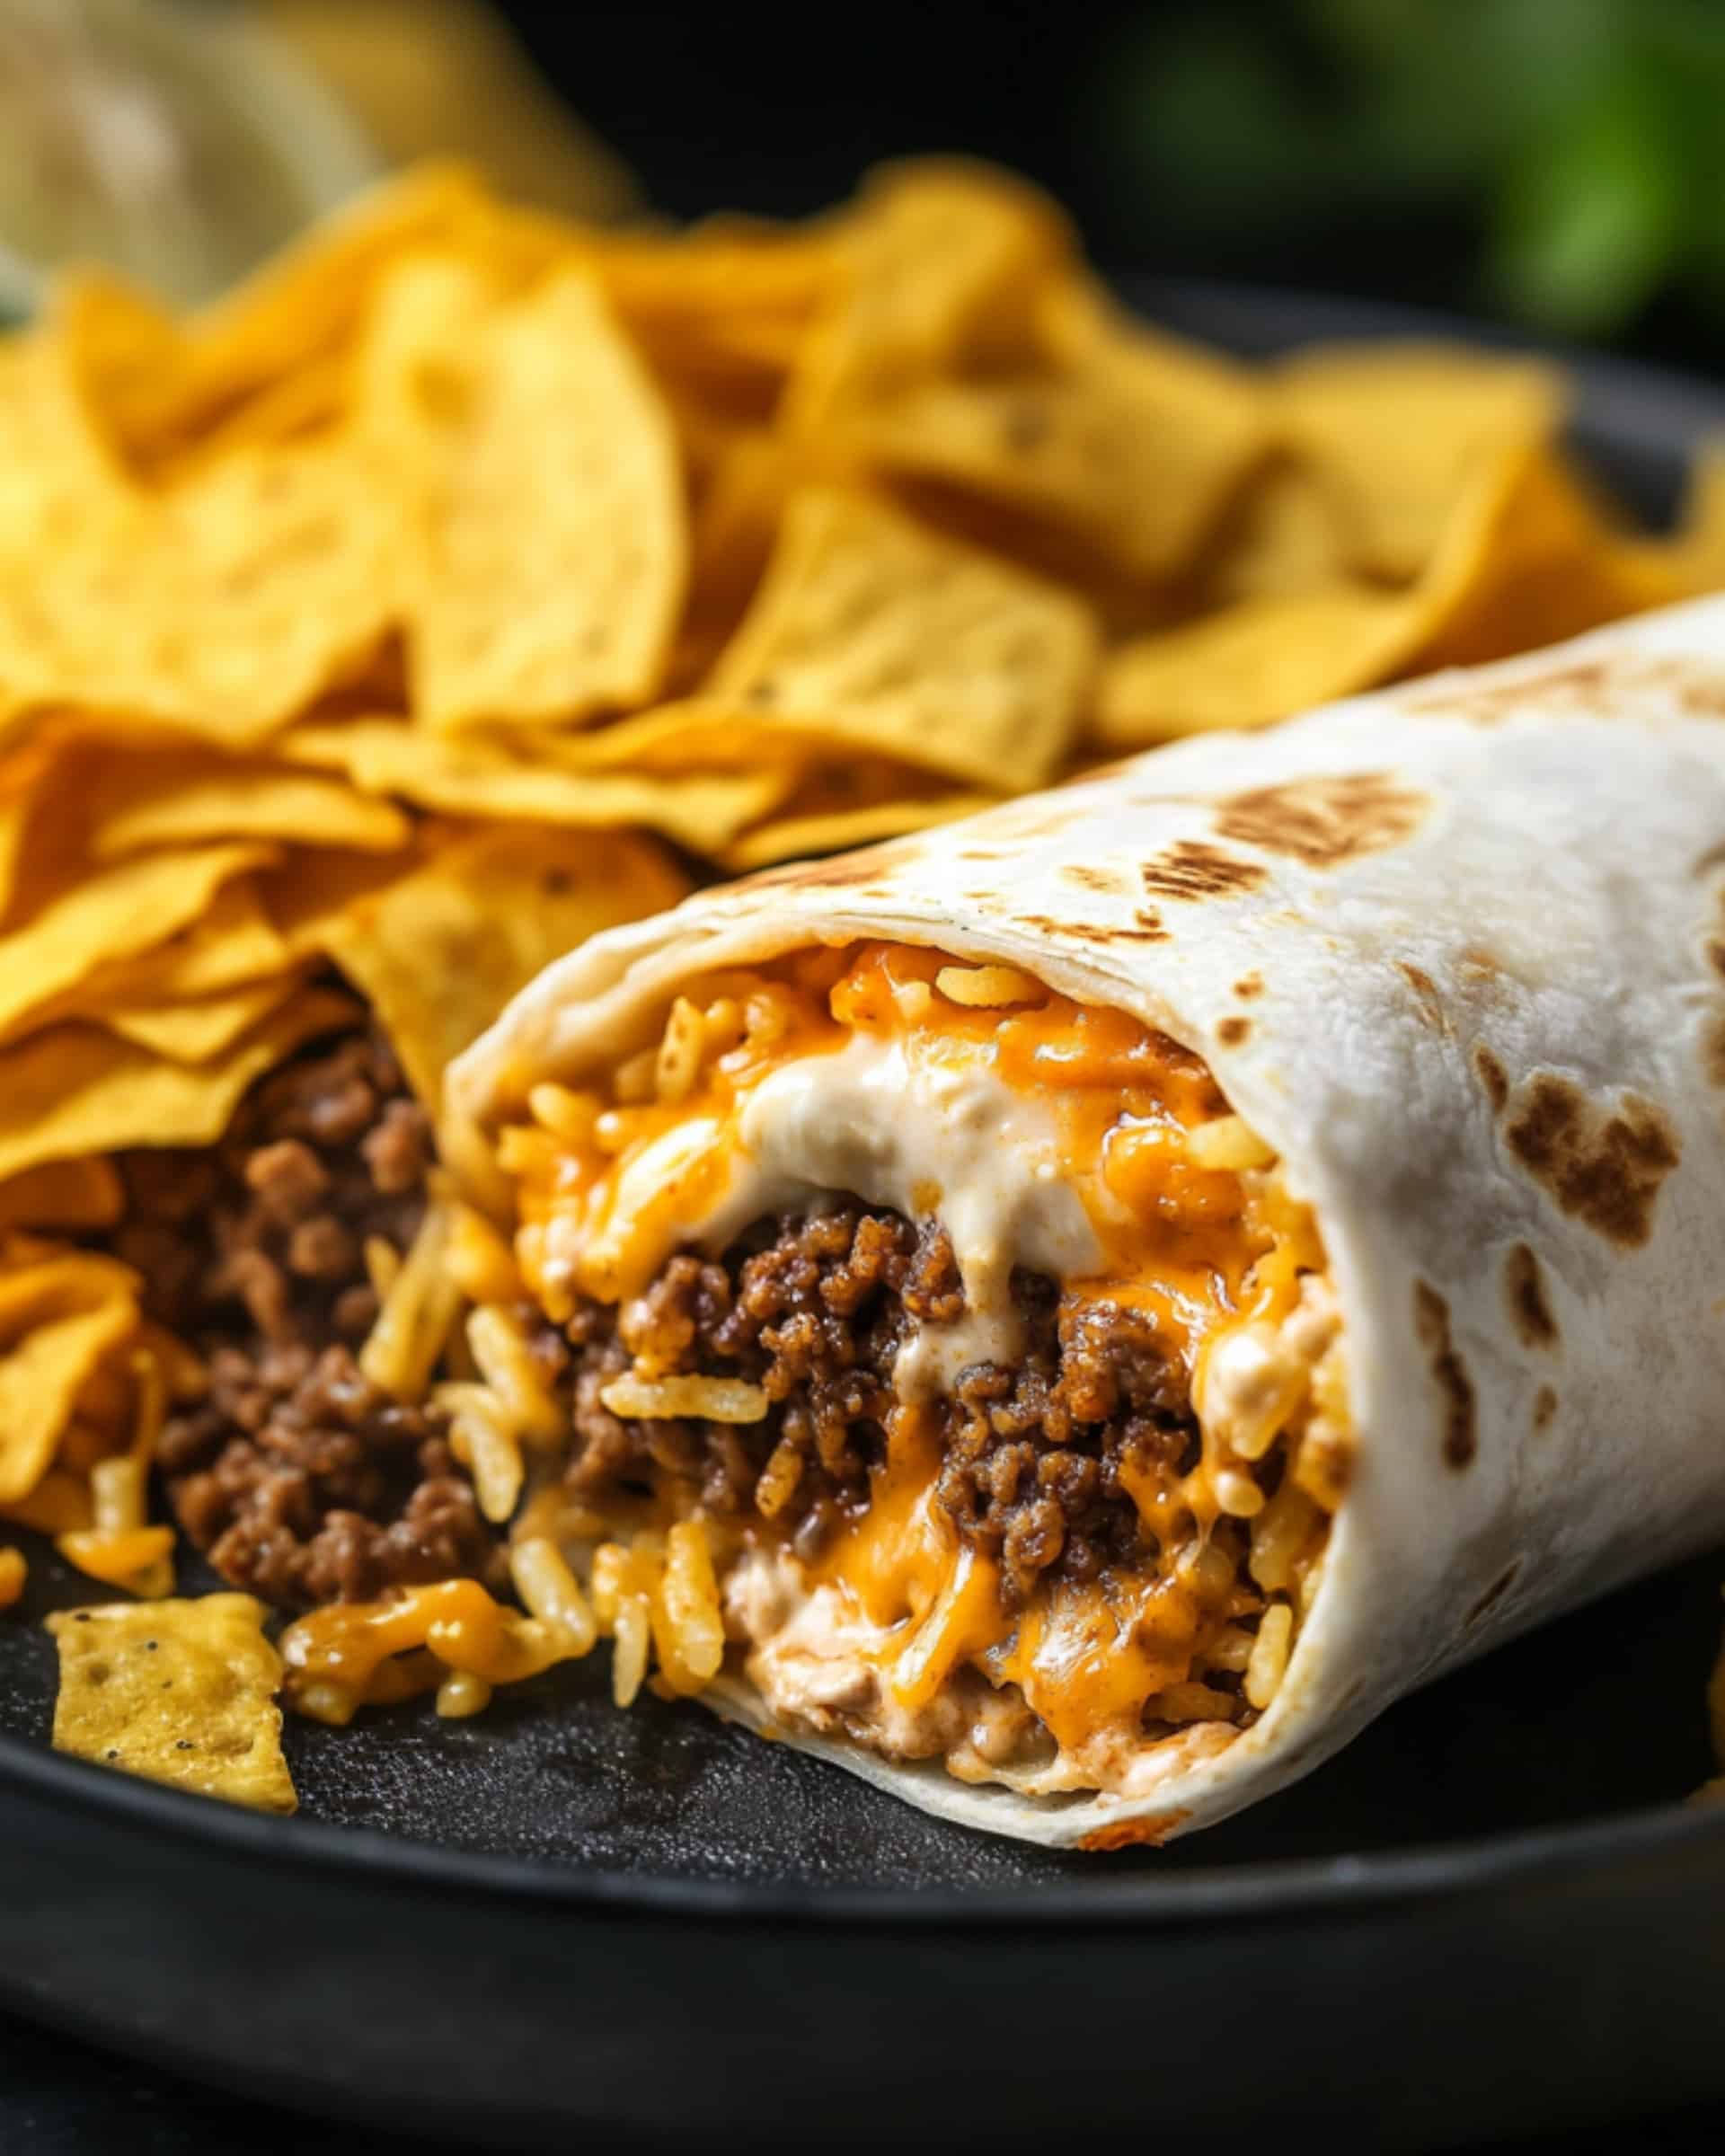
(179, 1692)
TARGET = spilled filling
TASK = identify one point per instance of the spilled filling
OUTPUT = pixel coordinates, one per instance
(937, 1353)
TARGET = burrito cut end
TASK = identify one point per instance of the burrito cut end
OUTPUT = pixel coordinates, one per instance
(937, 1354)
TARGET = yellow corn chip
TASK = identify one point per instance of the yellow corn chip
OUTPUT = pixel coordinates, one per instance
(943, 259)
(234, 941)
(721, 270)
(62, 1193)
(206, 1026)
(1538, 565)
(549, 556)
(179, 1692)
(438, 954)
(22, 774)
(884, 635)
(470, 776)
(76, 1089)
(222, 605)
(122, 350)
(1397, 432)
(1284, 538)
(110, 915)
(832, 831)
(1252, 662)
(60, 1318)
(1126, 440)
(1524, 561)
(304, 305)
(167, 800)
(58, 1505)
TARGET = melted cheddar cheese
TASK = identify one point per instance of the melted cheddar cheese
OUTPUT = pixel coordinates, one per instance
(1037, 1131)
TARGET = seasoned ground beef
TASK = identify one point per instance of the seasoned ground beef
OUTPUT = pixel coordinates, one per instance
(815, 1312)
(299, 1479)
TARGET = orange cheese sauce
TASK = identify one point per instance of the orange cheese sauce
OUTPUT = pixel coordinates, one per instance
(1190, 1249)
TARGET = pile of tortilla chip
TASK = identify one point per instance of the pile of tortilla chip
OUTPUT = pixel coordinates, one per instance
(372, 628)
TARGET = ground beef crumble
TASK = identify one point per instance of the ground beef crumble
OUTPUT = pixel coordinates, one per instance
(299, 1479)
(814, 1309)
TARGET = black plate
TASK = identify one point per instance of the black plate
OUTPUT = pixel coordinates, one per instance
(1493, 1913)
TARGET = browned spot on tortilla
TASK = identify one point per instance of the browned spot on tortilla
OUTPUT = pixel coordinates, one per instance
(1712, 1049)
(1092, 879)
(981, 853)
(1153, 1831)
(1606, 1169)
(1715, 954)
(1487, 704)
(855, 871)
(1544, 1407)
(1432, 1322)
(1525, 1284)
(1232, 1032)
(1189, 869)
(1482, 965)
(1096, 932)
(1425, 990)
(1248, 986)
(1492, 1075)
(1496, 1592)
(1324, 822)
(1030, 823)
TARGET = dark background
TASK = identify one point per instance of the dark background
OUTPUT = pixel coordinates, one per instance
(1558, 164)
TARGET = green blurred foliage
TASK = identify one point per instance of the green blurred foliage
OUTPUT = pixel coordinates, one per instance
(1579, 144)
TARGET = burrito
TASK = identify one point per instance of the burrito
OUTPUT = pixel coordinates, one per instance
(1099, 1299)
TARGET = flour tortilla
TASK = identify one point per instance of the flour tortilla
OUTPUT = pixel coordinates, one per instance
(1458, 951)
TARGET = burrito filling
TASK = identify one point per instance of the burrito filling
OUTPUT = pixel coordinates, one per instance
(950, 1341)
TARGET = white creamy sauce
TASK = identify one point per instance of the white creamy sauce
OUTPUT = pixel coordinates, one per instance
(895, 1129)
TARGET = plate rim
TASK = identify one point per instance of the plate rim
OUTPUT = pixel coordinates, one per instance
(1248, 1894)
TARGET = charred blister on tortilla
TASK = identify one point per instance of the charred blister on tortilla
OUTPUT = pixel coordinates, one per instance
(950, 1341)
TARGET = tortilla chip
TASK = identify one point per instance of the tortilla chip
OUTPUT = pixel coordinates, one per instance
(110, 915)
(121, 349)
(304, 305)
(168, 800)
(883, 635)
(76, 1089)
(942, 259)
(1285, 537)
(59, 1503)
(470, 776)
(1524, 561)
(62, 1193)
(207, 1026)
(438, 954)
(61, 1317)
(234, 941)
(1397, 432)
(1251, 663)
(1127, 440)
(836, 830)
(1534, 562)
(549, 552)
(178, 1691)
(715, 272)
(221, 606)
(21, 776)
